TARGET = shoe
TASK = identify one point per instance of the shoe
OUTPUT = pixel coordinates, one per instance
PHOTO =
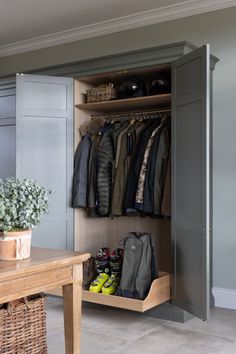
(116, 261)
(97, 284)
(110, 287)
(102, 260)
(103, 253)
(89, 272)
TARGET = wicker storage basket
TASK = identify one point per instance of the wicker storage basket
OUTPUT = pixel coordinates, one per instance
(23, 326)
(101, 93)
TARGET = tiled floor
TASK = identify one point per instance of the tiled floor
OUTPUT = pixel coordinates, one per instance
(108, 331)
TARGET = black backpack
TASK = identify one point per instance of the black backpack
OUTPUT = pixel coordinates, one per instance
(139, 265)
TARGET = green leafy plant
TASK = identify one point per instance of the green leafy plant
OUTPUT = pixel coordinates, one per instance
(22, 204)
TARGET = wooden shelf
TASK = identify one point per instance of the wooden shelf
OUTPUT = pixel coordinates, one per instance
(158, 294)
(157, 101)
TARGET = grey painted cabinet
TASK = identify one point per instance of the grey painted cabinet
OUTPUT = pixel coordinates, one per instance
(44, 151)
(190, 175)
(36, 141)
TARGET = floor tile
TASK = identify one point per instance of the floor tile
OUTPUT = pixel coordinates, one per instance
(99, 343)
(169, 340)
(222, 323)
(122, 324)
(112, 331)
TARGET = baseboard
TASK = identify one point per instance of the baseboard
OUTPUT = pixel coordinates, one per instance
(225, 298)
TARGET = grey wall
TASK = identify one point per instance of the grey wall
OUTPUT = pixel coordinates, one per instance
(219, 29)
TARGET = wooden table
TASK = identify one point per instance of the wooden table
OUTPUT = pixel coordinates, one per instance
(44, 270)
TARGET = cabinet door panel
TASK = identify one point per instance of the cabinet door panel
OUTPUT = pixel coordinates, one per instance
(45, 95)
(7, 151)
(190, 182)
(7, 105)
(44, 140)
(43, 157)
(7, 130)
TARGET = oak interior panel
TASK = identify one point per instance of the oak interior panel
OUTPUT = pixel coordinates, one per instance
(93, 233)
(145, 73)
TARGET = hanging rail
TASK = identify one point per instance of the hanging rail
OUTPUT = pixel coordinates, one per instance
(140, 114)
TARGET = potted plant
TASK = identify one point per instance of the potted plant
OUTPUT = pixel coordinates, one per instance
(22, 204)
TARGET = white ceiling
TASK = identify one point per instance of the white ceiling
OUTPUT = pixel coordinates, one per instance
(24, 19)
(33, 24)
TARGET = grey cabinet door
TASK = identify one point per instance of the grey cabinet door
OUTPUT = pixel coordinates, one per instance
(190, 182)
(44, 146)
(7, 130)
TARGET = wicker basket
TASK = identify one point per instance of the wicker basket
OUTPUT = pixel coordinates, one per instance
(23, 326)
(101, 93)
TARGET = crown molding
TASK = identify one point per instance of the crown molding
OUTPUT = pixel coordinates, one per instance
(140, 19)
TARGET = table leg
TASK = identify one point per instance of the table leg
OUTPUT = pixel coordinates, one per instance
(72, 298)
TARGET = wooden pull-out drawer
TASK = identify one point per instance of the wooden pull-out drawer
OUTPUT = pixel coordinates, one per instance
(159, 293)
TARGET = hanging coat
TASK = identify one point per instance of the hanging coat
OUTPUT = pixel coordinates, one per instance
(136, 164)
(153, 187)
(80, 177)
(132, 134)
(160, 174)
(92, 177)
(105, 158)
(142, 175)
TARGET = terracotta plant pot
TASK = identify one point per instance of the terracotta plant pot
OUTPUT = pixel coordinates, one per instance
(15, 245)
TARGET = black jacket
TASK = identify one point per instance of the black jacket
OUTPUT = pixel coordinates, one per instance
(148, 194)
(160, 175)
(80, 177)
(92, 177)
(105, 158)
(136, 164)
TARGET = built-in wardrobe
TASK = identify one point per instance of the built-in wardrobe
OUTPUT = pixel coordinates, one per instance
(45, 129)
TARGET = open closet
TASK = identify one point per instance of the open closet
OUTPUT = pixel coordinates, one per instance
(182, 241)
(94, 233)
(45, 104)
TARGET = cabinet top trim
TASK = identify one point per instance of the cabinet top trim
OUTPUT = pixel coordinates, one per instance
(130, 59)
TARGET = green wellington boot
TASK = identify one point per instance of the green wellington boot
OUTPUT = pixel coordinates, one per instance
(97, 284)
(110, 287)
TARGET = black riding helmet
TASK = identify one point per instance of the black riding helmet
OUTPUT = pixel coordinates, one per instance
(132, 87)
(161, 84)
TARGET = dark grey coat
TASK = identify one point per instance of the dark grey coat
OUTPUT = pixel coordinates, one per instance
(80, 179)
(92, 177)
(156, 170)
(105, 158)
